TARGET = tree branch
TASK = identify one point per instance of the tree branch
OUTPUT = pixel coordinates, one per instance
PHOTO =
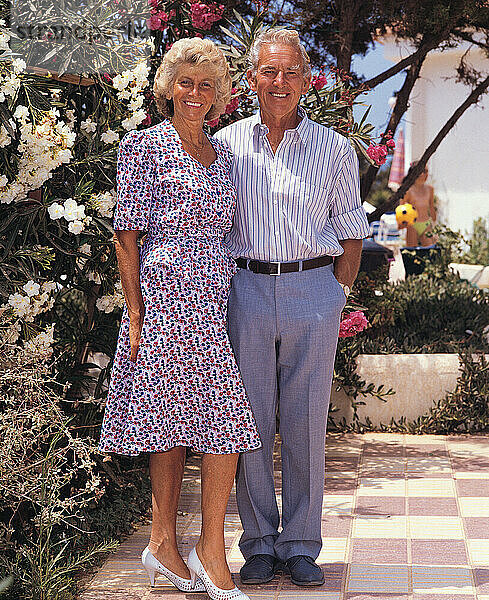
(468, 38)
(416, 170)
(421, 52)
(398, 111)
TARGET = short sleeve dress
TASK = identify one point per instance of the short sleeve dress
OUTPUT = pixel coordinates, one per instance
(185, 388)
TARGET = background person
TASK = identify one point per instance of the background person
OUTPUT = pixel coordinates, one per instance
(422, 197)
(298, 208)
(175, 382)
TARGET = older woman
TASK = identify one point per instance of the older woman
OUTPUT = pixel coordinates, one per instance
(175, 382)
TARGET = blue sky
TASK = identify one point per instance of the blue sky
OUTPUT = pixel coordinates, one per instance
(372, 64)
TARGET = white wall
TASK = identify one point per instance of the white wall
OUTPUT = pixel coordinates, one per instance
(459, 170)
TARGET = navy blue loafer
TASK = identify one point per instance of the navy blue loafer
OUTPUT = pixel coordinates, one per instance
(304, 571)
(259, 568)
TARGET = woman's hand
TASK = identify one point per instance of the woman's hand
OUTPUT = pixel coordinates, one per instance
(135, 326)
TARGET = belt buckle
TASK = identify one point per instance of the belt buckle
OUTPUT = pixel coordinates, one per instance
(278, 269)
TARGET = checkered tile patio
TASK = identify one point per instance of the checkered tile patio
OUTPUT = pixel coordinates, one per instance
(404, 518)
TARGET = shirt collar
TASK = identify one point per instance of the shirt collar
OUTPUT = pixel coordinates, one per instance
(301, 132)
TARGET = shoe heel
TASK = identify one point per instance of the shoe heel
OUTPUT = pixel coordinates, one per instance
(151, 574)
(193, 579)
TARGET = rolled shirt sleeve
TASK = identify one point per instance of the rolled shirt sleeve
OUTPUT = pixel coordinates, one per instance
(348, 217)
(135, 183)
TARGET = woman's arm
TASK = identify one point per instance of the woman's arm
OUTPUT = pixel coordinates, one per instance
(432, 205)
(126, 246)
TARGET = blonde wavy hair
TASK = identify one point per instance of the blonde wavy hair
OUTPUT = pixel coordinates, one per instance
(193, 51)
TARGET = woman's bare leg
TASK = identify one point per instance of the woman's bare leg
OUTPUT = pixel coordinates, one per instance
(166, 471)
(218, 471)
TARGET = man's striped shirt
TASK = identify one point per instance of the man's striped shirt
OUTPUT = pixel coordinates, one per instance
(297, 203)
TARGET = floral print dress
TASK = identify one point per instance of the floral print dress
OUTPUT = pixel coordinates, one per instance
(185, 388)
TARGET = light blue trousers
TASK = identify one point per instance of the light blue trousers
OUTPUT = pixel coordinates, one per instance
(284, 332)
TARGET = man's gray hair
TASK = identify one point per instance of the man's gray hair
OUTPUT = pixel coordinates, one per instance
(289, 37)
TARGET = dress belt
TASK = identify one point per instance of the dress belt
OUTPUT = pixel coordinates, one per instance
(277, 268)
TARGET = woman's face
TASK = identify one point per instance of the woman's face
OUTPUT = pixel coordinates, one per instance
(194, 92)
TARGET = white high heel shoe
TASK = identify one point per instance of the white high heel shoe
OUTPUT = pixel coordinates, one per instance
(197, 571)
(152, 566)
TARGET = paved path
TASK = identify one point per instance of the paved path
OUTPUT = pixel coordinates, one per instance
(405, 518)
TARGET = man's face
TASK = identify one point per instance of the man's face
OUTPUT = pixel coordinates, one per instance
(279, 80)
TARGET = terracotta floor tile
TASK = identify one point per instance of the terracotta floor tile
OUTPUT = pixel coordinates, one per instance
(476, 527)
(432, 506)
(380, 505)
(372, 551)
(439, 552)
(336, 526)
(473, 487)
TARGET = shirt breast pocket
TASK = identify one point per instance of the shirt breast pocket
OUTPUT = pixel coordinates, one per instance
(314, 199)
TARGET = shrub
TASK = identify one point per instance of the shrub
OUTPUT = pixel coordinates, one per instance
(48, 476)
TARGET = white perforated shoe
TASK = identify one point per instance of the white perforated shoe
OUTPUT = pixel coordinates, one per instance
(152, 566)
(197, 572)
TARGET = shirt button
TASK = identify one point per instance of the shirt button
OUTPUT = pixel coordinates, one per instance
(275, 201)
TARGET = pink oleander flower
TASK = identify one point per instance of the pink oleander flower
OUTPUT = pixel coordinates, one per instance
(147, 120)
(390, 144)
(353, 323)
(319, 81)
(377, 153)
(233, 104)
(154, 3)
(213, 123)
(158, 21)
(204, 15)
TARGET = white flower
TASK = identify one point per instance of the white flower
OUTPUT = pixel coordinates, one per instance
(136, 103)
(122, 80)
(49, 286)
(88, 126)
(71, 209)
(485, 334)
(20, 304)
(41, 344)
(76, 227)
(21, 112)
(3, 181)
(70, 204)
(124, 95)
(31, 288)
(134, 120)
(105, 203)
(56, 211)
(18, 65)
(109, 136)
(17, 299)
(80, 212)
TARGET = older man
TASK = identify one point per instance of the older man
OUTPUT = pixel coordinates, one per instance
(298, 214)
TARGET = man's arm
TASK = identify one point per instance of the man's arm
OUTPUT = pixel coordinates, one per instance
(346, 266)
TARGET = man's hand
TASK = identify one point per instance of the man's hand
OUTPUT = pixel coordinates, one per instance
(135, 327)
(346, 266)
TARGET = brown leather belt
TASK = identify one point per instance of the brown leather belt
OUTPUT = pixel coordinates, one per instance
(277, 268)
